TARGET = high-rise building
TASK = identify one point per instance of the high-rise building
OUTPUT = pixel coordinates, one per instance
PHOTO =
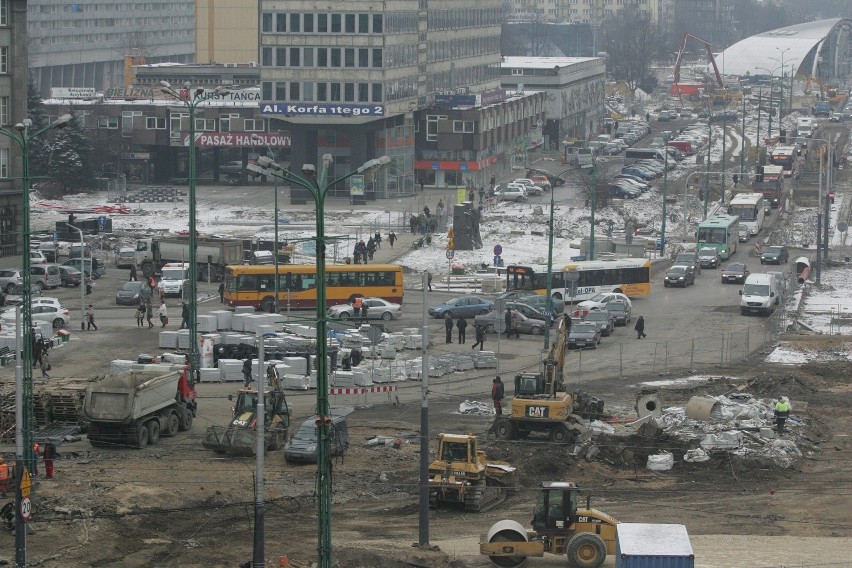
(226, 32)
(13, 109)
(90, 43)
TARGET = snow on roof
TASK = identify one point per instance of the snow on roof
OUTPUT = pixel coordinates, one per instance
(526, 62)
(646, 539)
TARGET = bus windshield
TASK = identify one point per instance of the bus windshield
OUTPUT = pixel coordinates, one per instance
(712, 235)
(744, 212)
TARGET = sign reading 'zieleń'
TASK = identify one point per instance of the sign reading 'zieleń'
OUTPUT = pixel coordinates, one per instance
(335, 109)
(241, 139)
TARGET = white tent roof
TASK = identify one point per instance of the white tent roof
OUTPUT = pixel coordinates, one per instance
(756, 54)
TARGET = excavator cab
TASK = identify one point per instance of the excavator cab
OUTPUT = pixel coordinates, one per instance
(555, 506)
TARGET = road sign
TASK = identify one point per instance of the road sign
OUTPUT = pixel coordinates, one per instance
(450, 254)
(498, 250)
(102, 223)
(375, 333)
(26, 508)
(26, 483)
(572, 276)
(842, 227)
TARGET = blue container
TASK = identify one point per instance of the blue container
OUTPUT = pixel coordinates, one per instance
(646, 545)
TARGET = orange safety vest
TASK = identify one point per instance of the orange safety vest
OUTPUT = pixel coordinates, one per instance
(4, 472)
(357, 302)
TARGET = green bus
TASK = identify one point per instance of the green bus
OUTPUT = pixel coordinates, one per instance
(720, 232)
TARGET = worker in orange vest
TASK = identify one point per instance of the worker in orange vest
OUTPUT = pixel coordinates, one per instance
(356, 306)
(4, 477)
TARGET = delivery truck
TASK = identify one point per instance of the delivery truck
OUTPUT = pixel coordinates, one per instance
(136, 408)
(212, 255)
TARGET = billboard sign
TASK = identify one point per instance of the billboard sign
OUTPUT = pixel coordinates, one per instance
(326, 110)
(72, 92)
(240, 139)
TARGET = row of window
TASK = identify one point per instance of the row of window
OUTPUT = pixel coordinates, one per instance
(465, 47)
(298, 282)
(310, 91)
(466, 76)
(464, 18)
(4, 12)
(488, 122)
(111, 22)
(179, 122)
(114, 7)
(322, 57)
(112, 37)
(322, 23)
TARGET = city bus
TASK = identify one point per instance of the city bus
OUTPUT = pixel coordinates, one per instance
(254, 285)
(749, 208)
(720, 232)
(784, 156)
(629, 276)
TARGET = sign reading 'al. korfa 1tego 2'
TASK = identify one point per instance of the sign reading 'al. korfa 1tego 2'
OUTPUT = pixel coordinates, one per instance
(325, 110)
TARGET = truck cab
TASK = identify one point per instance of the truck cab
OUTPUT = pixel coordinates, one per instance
(174, 277)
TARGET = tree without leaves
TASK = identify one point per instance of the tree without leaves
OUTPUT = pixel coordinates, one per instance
(630, 39)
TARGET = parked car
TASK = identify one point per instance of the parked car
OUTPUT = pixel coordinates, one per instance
(632, 183)
(620, 311)
(302, 446)
(708, 257)
(69, 276)
(635, 179)
(603, 320)
(232, 167)
(525, 324)
(542, 182)
(836, 117)
(37, 257)
(774, 255)
(532, 189)
(735, 272)
(584, 334)
(600, 301)
(645, 175)
(45, 275)
(511, 193)
(461, 306)
(10, 277)
(86, 264)
(132, 293)
(539, 302)
(743, 233)
(377, 308)
(57, 316)
(15, 296)
(623, 192)
(679, 275)
(515, 294)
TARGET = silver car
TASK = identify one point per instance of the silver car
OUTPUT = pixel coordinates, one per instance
(377, 308)
(523, 323)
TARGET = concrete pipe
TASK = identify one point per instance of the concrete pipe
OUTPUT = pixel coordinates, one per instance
(648, 404)
(700, 408)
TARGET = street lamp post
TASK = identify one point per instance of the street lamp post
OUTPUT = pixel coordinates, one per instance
(319, 187)
(781, 106)
(82, 277)
(24, 455)
(272, 156)
(709, 146)
(742, 142)
(191, 102)
(665, 196)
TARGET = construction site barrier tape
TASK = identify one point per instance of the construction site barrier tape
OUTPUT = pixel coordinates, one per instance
(361, 390)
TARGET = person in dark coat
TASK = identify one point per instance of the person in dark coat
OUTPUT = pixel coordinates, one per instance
(391, 238)
(247, 378)
(371, 247)
(448, 325)
(429, 280)
(461, 325)
(378, 239)
(356, 253)
(497, 393)
(480, 337)
(640, 327)
(184, 315)
(222, 292)
(508, 320)
(133, 273)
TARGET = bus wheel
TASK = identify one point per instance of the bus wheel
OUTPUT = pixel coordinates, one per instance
(268, 305)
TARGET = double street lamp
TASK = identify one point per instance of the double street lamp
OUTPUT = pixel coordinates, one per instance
(191, 100)
(271, 155)
(318, 186)
(24, 378)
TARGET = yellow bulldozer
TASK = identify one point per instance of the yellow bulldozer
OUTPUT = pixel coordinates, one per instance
(463, 474)
(540, 403)
(239, 437)
(559, 526)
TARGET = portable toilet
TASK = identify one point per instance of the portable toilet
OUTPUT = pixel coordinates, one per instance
(646, 545)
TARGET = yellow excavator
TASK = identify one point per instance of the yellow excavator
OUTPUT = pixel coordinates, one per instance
(239, 438)
(541, 404)
(463, 474)
(559, 526)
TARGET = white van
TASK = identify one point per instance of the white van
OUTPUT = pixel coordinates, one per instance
(760, 294)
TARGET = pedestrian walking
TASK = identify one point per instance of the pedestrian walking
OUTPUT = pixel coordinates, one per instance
(479, 331)
(448, 326)
(133, 273)
(782, 412)
(356, 253)
(391, 238)
(378, 238)
(429, 280)
(90, 318)
(471, 196)
(5, 475)
(497, 394)
(45, 365)
(184, 315)
(371, 247)
(140, 315)
(49, 454)
(222, 292)
(163, 313)
(736, 180)
(481, 195)
(161, 289)
(356, 306)
(247, 368)
(37, 346)
(461, 325)
(640, 328)
(149, 314)
(514, 323)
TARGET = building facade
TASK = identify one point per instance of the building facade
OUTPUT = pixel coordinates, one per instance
(574, 88)
(226, 32)
(13, 109)
(90, 43)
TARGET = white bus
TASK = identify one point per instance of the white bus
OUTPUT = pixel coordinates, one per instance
(749, 208)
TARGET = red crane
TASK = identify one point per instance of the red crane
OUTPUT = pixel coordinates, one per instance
(678, 89)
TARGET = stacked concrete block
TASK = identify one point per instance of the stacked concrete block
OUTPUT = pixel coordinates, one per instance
(223, 318)
(246, 310)
(361, 376)
(236, 338)
(303, 330)
(298, 365)
(411, 331)
(413, 369)
(414, 341)
(484, 359)
(238, 322)
(388, 351)
(263, 329)
(463, 362)
(210, 375)
(183, 339)
(295, 382)
(168, 340)
(207, 324)
(382, 375)
(173, 358)
(118, 366)
(346, 379)
(232, 369)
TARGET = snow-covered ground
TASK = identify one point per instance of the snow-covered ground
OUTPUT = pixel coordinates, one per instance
(787, 354)
(828, 306)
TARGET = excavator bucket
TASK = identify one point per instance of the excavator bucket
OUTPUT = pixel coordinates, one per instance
(232, 441)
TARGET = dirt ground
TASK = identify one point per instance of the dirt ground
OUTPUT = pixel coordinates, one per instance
(176, 504)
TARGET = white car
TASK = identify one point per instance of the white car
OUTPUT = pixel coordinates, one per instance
(37, 257)
(58, 316)
(529, 185)
(377, 308)
(511, 193)
(599, 301)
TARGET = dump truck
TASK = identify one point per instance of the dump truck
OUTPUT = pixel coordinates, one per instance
(239, 437)
(136, 408)
(559, 526)
(212, 255)
(463, 474)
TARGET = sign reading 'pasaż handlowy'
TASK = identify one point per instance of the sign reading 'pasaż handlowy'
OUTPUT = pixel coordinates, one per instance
(241, 139)
(328, 110)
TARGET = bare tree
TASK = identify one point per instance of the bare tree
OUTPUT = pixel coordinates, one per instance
(630, 39)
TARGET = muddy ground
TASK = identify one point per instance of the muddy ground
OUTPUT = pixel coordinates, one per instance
(176, 504)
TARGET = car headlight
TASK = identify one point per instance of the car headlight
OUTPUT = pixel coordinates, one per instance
(311, 449)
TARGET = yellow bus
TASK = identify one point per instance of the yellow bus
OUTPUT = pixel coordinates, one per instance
(254, 285)
(629, 276)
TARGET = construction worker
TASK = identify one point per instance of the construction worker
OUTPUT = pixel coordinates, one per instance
(4, 476)
(497, 394)
(36, 451)
(50, 454)
(782, 412)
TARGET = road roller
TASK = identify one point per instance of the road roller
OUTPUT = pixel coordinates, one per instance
(585, 536)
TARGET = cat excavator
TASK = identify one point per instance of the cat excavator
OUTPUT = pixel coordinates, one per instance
(541, 403)
(238, 438)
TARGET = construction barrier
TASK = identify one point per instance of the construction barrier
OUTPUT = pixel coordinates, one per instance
(361, 390)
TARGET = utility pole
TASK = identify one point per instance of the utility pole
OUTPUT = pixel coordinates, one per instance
(423, 535)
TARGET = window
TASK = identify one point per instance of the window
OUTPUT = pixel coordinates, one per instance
(294, 57)
(335, 57)
(4, 12)
(266, 57)
(308, 23)
(322, 23)
(349, 92)
(4, 159)
(322, 57)
(322, 92)
(335, 23)
(363, 93)
(266, 23)
(253, 125)
(363, 58)
(308, 91)
(307, 57)
(4, 111)
(465, 126)
(335, 92)
(4, 59)
(155, 122)
(363, 23)
(377, 92)
(280, 91)
(349, 58)
(110, 122)
(517, 71)
(350, 23)
(377, 57)
(378, 20)
(225, 120)
(294, 23)
(294, 91)
(281, 56)
(205, 125)
(265, 91)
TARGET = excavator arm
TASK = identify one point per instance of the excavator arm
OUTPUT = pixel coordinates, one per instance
(555, 363)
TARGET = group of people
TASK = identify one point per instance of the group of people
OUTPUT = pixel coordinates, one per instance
(145, 312)
(364, 251)
(460, 325)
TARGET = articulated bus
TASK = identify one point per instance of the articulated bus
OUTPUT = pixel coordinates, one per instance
(630, 276)
(254, 285)
(784, 156)
(720, 232)
(749, 208)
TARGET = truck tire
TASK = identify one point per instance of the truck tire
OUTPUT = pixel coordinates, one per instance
(141, 437)
(147, 269)
(586, 550)
(560, 434)
(186, 422)
(153, 428)
(504, 429)
(172, 424)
